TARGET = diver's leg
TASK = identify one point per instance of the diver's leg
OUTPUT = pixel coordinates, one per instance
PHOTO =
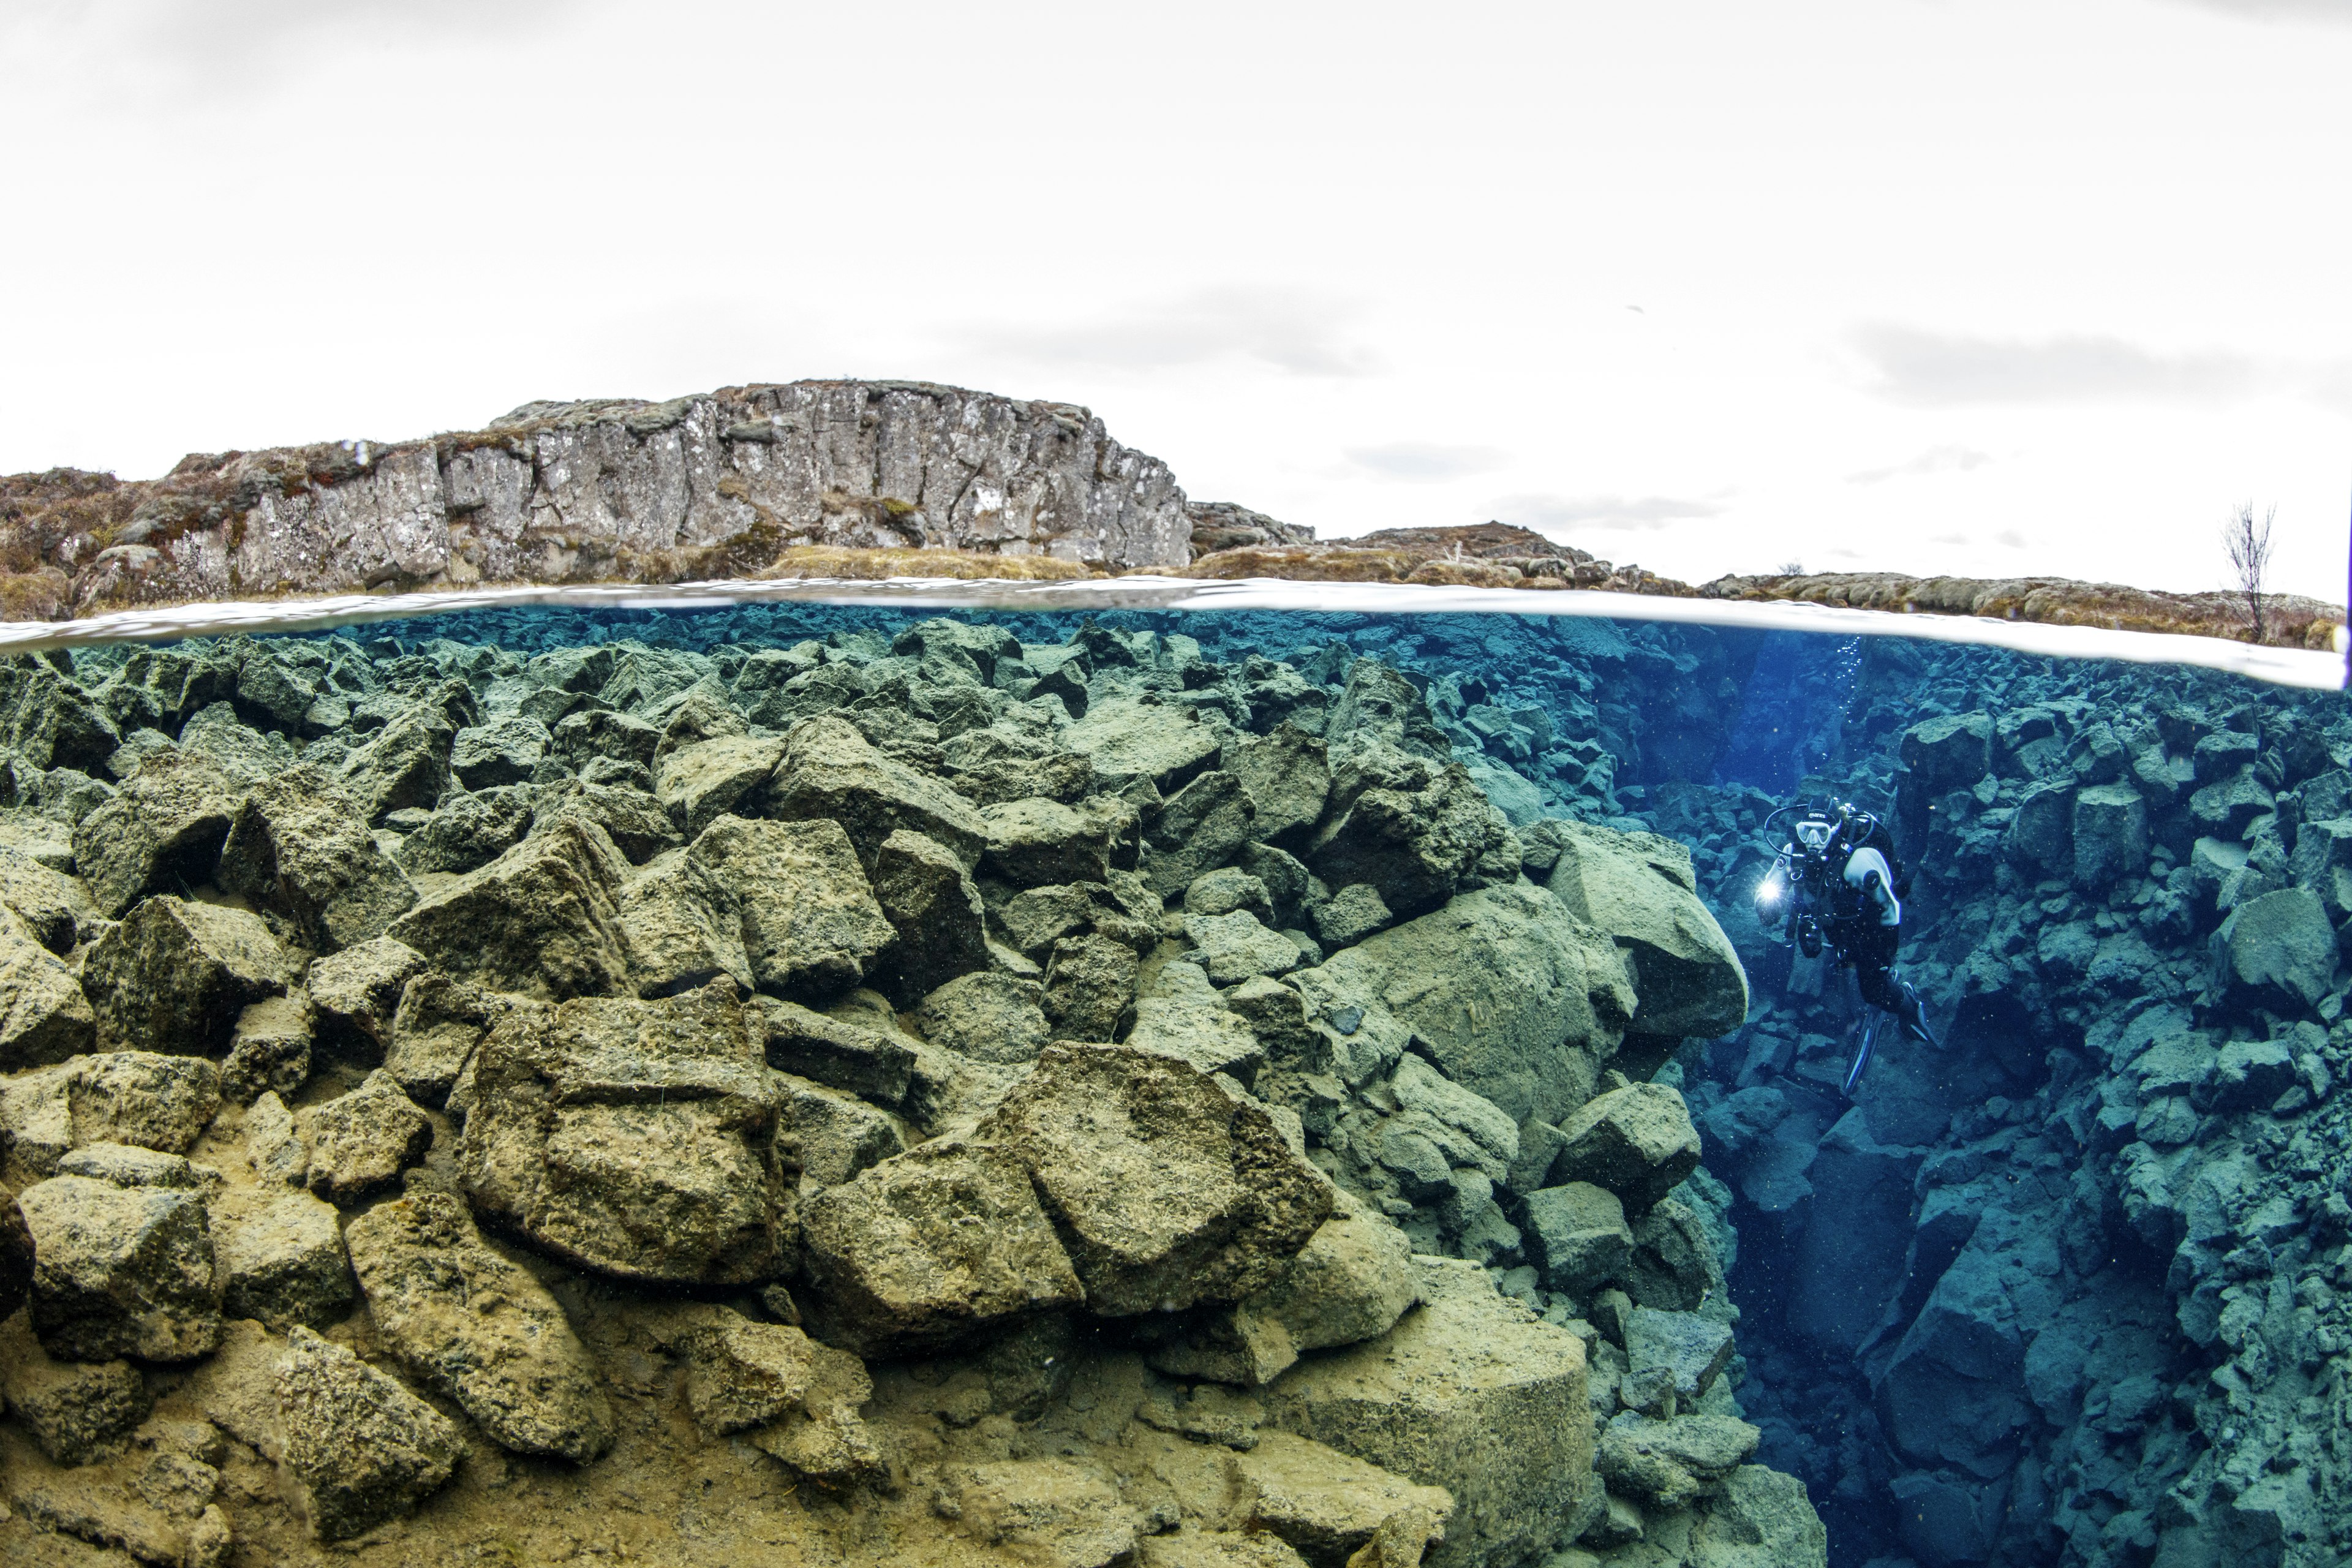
(1877, 985)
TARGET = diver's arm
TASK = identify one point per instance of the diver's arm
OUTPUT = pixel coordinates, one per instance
(1866, 869)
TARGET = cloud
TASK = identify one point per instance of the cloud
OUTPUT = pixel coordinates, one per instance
(1934, 460)
(240, 50)
(1422, 462)
(1948, 539)
(2278, 10)
(2009, 537)
(1300, 331)
(1938, 370)
(1615, 514)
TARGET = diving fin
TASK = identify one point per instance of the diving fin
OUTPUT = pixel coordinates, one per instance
(1915, 1018)
(1871, 1020)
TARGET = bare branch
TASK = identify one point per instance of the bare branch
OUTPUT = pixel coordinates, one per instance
(2248, 544)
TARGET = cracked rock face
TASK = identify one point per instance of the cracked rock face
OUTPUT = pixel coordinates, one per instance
(900, 1087)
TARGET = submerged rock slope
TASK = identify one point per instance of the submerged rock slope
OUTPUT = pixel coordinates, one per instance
(2069, 1292)
(912, 1094)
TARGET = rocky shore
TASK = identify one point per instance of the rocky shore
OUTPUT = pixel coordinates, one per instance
(831, 479)
(833, 1091)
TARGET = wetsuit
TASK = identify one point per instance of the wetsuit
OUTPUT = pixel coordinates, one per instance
(1863, 918)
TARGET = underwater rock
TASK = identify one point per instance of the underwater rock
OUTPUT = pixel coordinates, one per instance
(1167, 1191)
(506, 752)
(709, 779)
(474, 1327)
(2110, 834)
(1581, 1235)
(298, 848)
(75, 1411)
(466, 832)
(811, 926)
(542, 919)
(355, 995)
(45, 1016)
(931, 902)
(363, 1448)
(176, 975)
(1182, 1015)
(1667, 1463)
(280, 1259)
(361, 1140)
(1470, 1394)
(2277, 948)
(681, 927)
(923, 1251)
(1326, 1505)
(121, 1271)
(1415, 830)
(1686, 978)
(989, 1016)
(163, 829)
(1198, 829)
(633, 1138)
(1287, 773)
(1518, 1000)
(832, 773)
(1351, 1281)
(1637, 1142)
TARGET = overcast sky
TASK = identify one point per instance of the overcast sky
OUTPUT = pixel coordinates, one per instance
(1977, 286)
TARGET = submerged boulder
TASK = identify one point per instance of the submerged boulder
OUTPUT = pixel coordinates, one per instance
(542, 919)
(1416, 831)
(477, 1328)
(1168, 1192)
(808, 921)
(1639, 889)
(1470, 1394)
(831, 773)
(280, 1258)
(1636, 1141)
(923, 1251)
(162, 829)
(300, 848)
(635, 1138)
(121, 1271)
(45, 1015)
(1517, 998)
(175, 974)
(1351, 1281)
(2278, 948)
(364, 1448)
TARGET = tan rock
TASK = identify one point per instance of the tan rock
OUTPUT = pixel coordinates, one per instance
(1169, 1192)
(1470, 1393)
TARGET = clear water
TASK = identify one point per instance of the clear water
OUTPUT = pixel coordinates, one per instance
(2062, 1290)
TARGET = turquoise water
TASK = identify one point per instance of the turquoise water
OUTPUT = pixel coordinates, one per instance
(2060, 1286)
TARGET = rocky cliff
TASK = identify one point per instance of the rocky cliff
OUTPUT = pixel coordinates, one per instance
(711, 485)
(803, 1087)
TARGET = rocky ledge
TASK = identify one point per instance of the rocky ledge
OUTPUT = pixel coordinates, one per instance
(928, 1099)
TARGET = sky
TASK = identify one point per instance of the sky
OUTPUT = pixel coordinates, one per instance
(1985, 287)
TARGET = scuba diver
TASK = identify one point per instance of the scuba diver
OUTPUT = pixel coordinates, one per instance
(1837, 882)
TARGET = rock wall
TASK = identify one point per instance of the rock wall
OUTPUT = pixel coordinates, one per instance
(715, 485)
(2066, 1292)
(863, 1088)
